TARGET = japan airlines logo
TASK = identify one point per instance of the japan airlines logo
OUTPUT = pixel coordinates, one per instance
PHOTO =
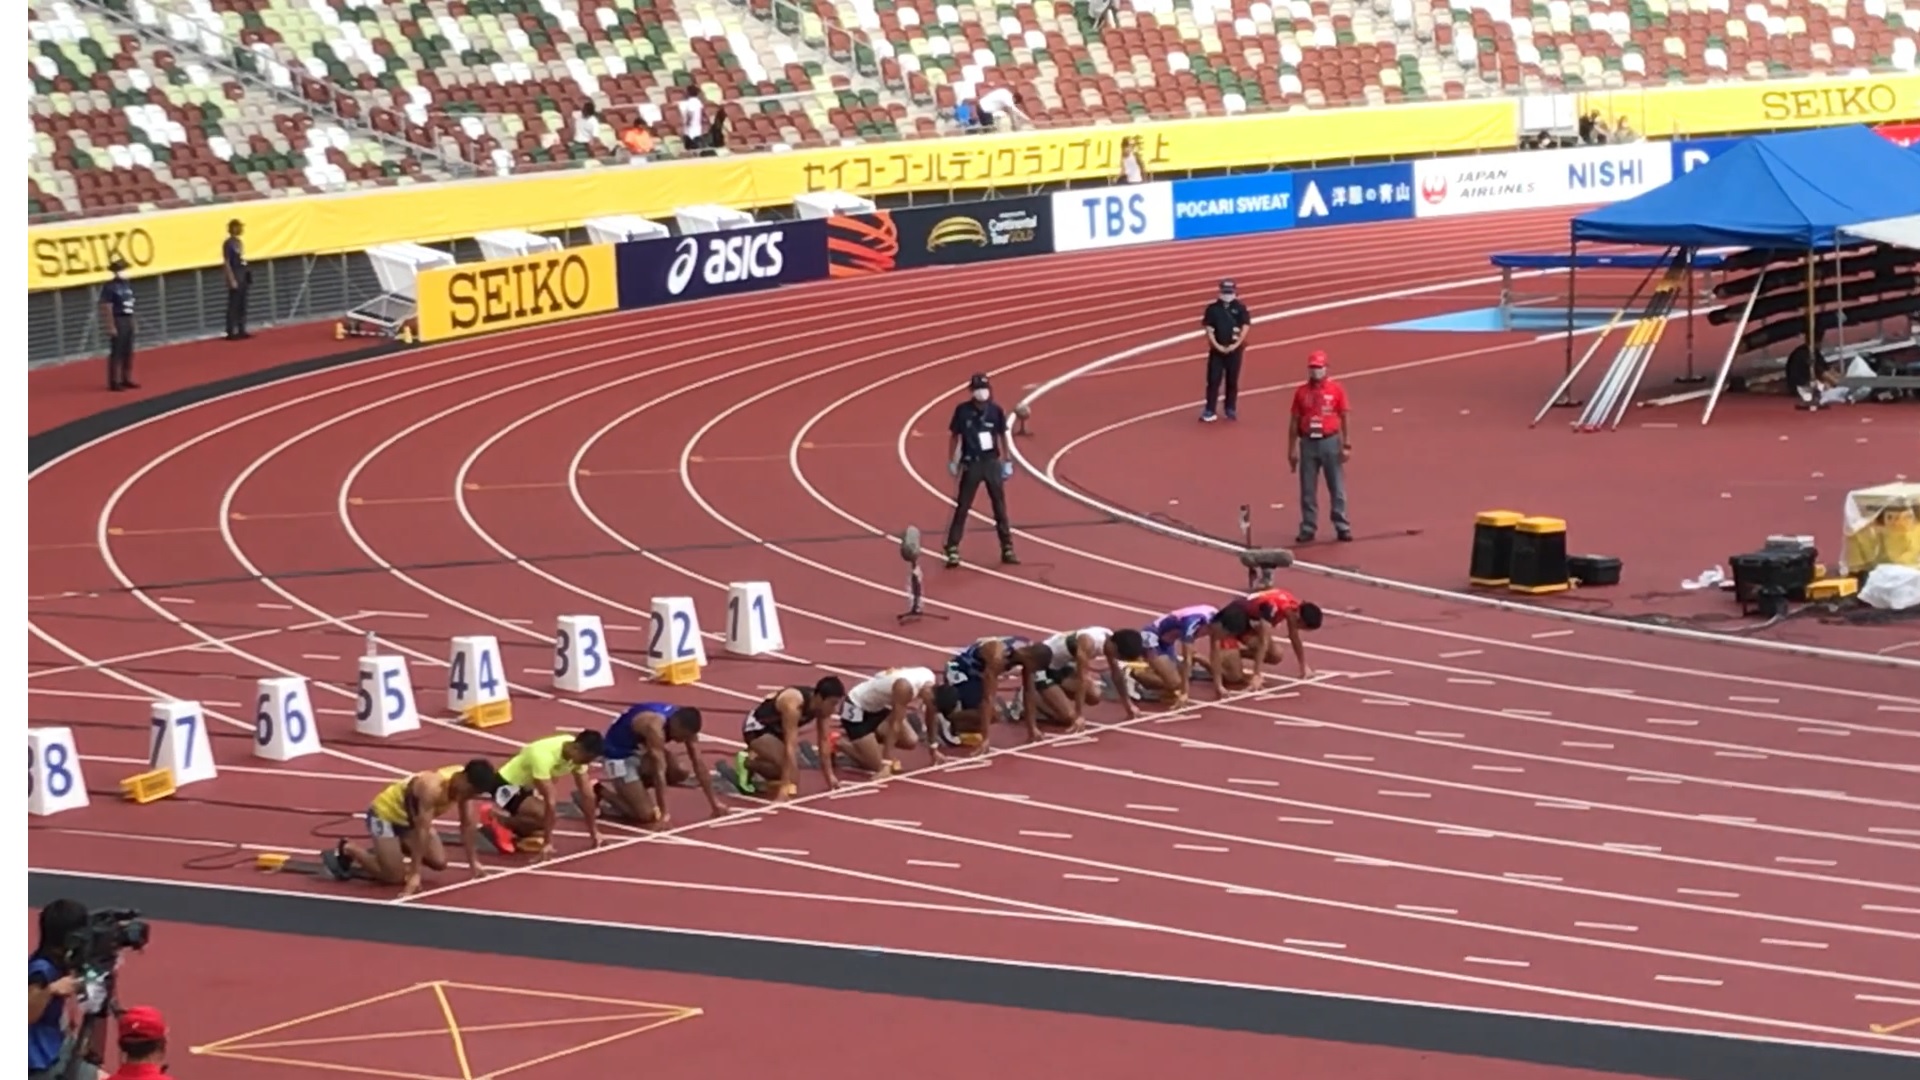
(1434, 190)
(680, 271)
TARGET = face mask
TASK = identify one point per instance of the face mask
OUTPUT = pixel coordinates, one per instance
(1317, 374)
(982, 395)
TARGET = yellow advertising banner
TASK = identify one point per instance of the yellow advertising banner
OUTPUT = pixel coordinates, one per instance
(1729, 108)
(77, 252)
(503, 294)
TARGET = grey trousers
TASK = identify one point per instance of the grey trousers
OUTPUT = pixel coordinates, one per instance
(1318, 456)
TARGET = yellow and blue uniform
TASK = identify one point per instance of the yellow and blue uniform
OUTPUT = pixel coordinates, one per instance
(391, 813)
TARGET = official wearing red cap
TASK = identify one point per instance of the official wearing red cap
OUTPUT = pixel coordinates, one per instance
(1318, 441)
(143, 1045)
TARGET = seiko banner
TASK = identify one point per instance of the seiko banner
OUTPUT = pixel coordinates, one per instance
(720, 263)
(504, 294)
(1232, 205)
(1112, 217)
(1536, 179)
(1354, 195)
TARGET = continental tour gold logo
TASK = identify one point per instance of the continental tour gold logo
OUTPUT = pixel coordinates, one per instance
(1008, 228)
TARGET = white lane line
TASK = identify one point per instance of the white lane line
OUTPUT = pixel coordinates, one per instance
(1671, 722)
(1620, 928)
(1499, 768)
(175, 600)
(317, 656)
(1346, 757)
(896, 823)
(796, 852)
(1305, 944)
(1716, 893)
(1039, 834)
(1306, 820)
(1210, 849)
(1252, 783)
(535, 671)
(405, 615)
(1791, 860)
(1182, 744)
(1790, 943)
(1458, 681)
(934, 863)
(1542, 635)
(1242, 890)
(733, 822)
(1475, 833)
(1461, 654)
(1420, 909)
(1497, 961)
(627, 629)
(1406, 794)
(1440, 734)
(854, 794)
(1360, 860)
(1546, 713)
(1884, 1000)
(1729, 819)
(1282, 722)
(1743, 754)
(1883, 830)
(1588, 745)
(1753, 700)
(334, 712)
(1090, 877)
(1900, 708)
(1650, 848)
(1561, 804)
(1890, 909)
(1654, 779)
(1824, 731)
(1688, 980)
(1150, 808)
(854, 642)
(274, 607)
(1549, 878)
(1385, 701)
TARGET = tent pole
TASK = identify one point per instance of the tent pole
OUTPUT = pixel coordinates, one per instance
(1813, 322)
(1839, 297)
(1690, 376)
(1563, 398)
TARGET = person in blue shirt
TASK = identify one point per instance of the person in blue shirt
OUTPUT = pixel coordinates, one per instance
(233, 262)
(50, 990)
(640, 766)
(116, 312)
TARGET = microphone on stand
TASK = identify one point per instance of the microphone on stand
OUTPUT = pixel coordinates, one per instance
(1262, 562)
(916, 585)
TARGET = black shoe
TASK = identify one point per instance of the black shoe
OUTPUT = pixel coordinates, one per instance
(1008, 558)
(1343, 536)
(953, 558)
(1303, 537)
(115, 387)
(129, 385)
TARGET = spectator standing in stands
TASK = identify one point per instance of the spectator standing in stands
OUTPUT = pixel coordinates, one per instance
(1103, 11)
(717, 131)
(586, 128)
(143, 1045)
(233, 256)
(116, 310)
(1317, 442)
(977, 454)
(1623, 132)
(998, 102)
(1131, 171)
(1226, 322)
(693, 120)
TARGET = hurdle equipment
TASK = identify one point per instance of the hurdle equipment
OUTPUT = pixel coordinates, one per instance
(146, 787)
(581, 658)
(383, 705)
(283, 724)
(819, 205)
(1492, 547)
(620, 228)
(753, 623)
(397, 266)
(55, 782)
(1539, 563)
(474, 675)
(673, 635)
(514, 244)
(710, 218)
(180, 745)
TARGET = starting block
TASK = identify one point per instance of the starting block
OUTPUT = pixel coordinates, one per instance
(147, 787)
(580, 655)
(384, 706)
(474, 675)
(54, 780)
(685, 673)
(753, 623)
(283, 726)
(674, 636)
(1832, 588)
(180, 747)
(491, 715)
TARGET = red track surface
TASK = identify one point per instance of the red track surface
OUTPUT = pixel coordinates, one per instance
(1467, 807)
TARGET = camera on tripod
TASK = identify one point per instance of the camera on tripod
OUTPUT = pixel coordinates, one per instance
(93, 951)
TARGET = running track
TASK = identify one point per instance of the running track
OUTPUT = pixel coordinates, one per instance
(1465, 807)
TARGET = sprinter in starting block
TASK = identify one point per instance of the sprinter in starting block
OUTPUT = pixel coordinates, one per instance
(528, 800)
(876, 719)
(974, 673)
(400, 825)
(1072, 658)
(1280, 609)
(639, 762)
(772, 734)
(1170, 642)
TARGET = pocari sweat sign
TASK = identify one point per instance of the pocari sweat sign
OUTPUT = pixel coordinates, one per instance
(1353, 195)
(1112, 217)
(1232, 205)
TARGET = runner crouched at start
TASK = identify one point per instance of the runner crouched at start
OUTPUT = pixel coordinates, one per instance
(1278, 608)
(400, 826)
(1171, 654)
(1070, 682)
(529, 807)
(974, 675)
(640, 765)
(877, 719)
(772, 736)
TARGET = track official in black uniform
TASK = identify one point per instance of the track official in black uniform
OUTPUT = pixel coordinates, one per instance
(977, 454)
(1226, 322)
(233, 256)
(116, 311)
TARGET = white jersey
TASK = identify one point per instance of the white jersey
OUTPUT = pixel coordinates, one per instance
(876, 694)
(1096, 642)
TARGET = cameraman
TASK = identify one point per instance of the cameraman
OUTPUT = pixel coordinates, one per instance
(143, 1045)
(51, 988)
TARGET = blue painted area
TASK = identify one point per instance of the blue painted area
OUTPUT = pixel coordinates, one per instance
(1495, 321)
(1232, 205)
(1355, 195)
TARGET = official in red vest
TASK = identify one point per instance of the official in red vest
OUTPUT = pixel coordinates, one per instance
(1318, 441)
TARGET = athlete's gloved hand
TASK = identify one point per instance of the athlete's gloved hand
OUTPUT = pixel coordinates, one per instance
(1006, 470)
(953, 468)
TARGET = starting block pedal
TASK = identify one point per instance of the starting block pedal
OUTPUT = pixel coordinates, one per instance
(491, 715)
(146, 787)
(684, 673)
(1833, 588)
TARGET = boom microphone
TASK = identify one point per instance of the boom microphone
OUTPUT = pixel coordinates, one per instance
(910, 544)
(1266, 558)
(1020, 414)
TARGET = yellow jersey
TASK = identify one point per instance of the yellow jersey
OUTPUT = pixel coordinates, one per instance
(394, 803)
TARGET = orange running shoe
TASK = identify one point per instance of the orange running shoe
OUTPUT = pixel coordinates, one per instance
(495, 831)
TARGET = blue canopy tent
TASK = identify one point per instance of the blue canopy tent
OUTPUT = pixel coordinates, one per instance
(1795, 191)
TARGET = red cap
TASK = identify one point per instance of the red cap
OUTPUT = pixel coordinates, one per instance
(143, 1022)
(1316, 358)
